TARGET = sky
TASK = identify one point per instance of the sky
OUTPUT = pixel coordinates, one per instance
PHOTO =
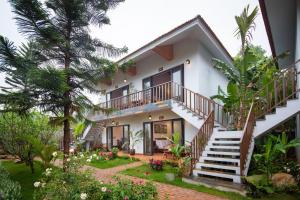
(136, 22)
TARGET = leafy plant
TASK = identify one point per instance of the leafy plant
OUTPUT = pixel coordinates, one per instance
(115, 151)
(274, 153)
(258, 185)
(135, 138)
(75, 184)
(27, 136)
(250, 70)
(156, 164)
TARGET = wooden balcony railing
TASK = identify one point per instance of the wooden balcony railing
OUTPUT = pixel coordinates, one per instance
(202, 137)
(196, 103)
(276, 92)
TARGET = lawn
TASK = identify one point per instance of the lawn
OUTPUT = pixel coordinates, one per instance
(145, 172)
(22, 174)
(104, 164)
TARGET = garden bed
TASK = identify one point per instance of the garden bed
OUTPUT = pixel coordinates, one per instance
(104, 164)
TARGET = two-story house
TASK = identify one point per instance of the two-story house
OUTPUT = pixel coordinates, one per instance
(168, 91)
(178, 63)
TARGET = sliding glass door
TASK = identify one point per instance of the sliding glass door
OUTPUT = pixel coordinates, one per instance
(177, 79)
(109, 137)
(126, 138)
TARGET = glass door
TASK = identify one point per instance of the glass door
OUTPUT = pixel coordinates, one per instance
(108, 103)
(126, 138)
(147, 92)
(109, 137)
(148, 138)
(177, 79)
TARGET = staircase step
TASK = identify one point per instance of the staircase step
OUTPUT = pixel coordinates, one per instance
(205, 153)
(219, 159)
(236, 142)
(227, 134)
(213, 173)
(222, 147)
(219, 166)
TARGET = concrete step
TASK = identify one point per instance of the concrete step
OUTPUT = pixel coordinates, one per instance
(234, 168)
(219, 147)
(220, 153)
(219, 159)
(235, 178)
(220, 142)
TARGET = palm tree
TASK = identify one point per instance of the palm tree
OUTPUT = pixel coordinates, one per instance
(62, 60)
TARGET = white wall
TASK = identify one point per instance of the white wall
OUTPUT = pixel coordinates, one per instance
(136, 124)
(199, 75)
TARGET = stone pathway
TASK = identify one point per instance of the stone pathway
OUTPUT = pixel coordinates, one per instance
(165, 191)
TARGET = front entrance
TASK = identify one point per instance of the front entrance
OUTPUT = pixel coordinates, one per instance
(156, 135)
(118, 136)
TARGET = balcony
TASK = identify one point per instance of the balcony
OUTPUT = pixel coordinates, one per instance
(157, 98)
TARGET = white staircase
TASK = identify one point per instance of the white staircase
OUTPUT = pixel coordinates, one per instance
(221, 157)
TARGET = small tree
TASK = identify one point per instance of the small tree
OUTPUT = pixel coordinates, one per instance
(61, 61)
(20, 134)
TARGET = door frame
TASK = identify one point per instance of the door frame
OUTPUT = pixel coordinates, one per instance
(172, 128)
(112, 133)
(151, 139)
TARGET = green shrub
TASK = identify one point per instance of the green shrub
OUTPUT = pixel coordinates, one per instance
(115, 151)
(258, 185)
(76, 185)
(9, 190)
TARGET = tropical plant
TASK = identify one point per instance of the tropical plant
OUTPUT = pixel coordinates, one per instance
(274, 154)
(249, 70)
(135, 138)
(61, 61)
(20, 134)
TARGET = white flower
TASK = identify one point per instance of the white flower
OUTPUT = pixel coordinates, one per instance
(97, 158)
(103, 189)
(75, 157)
(68, 160)
(48, 171)
(71, 150)
(54, 154)
(36, 184)
(81, 155)
(101, 182)
(288, 170)
(83, 196)
(43, 185)
(94, 155)
(88, 160)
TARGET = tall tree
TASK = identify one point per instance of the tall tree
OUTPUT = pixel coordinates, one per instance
(61, 61)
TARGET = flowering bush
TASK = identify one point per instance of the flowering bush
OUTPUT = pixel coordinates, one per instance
(77, 185)
(293, 168)
(106, 155)
(156, 164)
(8, 188)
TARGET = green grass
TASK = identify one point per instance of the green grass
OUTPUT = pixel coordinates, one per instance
(22, 174)
(145, 172)
(104, 164)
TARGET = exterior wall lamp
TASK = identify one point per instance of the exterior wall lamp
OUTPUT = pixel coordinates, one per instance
(187, 61)
(149, 117)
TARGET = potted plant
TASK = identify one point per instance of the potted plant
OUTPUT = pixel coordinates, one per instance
(135, 137)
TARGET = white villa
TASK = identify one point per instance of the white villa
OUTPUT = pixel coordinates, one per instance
(168, 91)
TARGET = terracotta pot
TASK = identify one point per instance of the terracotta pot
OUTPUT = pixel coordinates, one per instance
(132, 152)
